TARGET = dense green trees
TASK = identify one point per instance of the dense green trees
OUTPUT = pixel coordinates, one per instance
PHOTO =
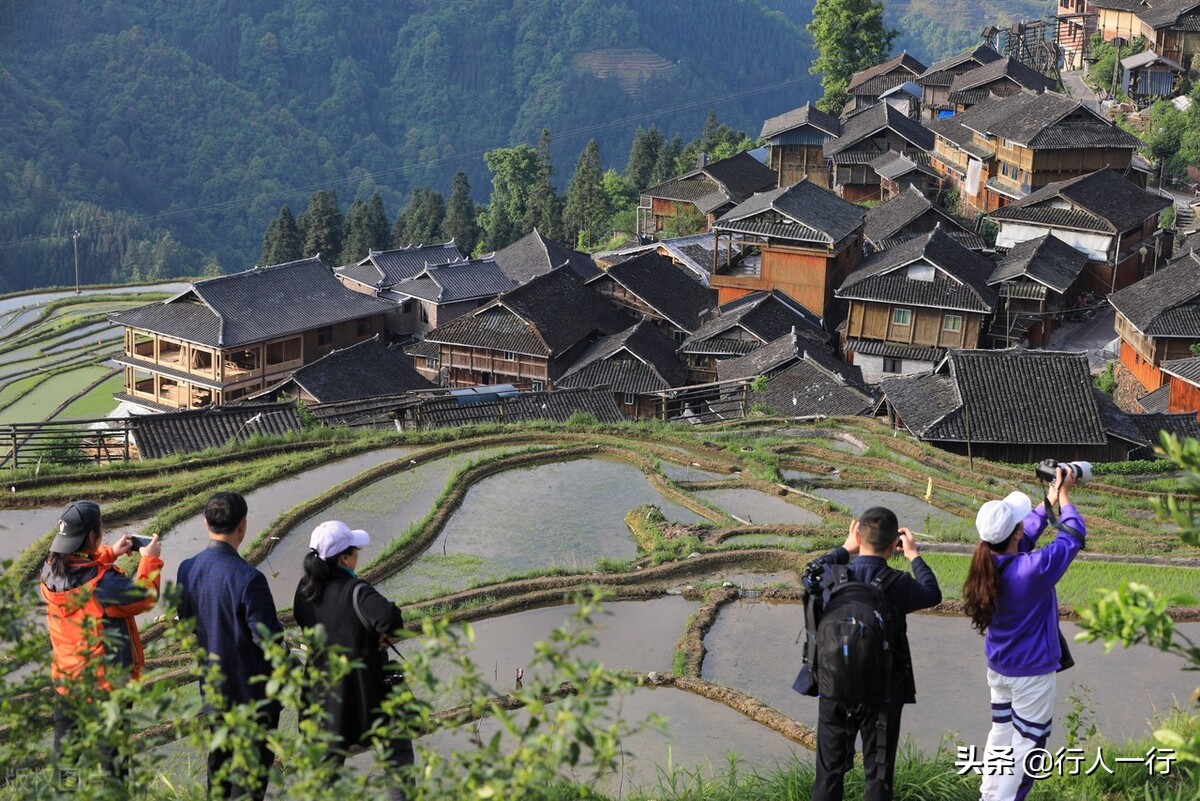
(132, 119)
(460, 223)
(282, 241)
(586, 209)
(543, 211)
(322, 226)
(849, 36)
(366, 230)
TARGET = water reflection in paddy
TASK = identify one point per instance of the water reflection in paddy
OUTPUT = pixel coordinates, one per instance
(269, 502)
(683, 472)
(566, 514)
(758, 507)
(912, 512)
(20, 528)
(752, 647)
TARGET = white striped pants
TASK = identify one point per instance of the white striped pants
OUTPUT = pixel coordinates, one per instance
(1022, 711)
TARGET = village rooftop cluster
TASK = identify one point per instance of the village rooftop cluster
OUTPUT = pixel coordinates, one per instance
(829, 280)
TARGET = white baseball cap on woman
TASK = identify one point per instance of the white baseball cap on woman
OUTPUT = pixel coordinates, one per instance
(333, 536)
(997, 519)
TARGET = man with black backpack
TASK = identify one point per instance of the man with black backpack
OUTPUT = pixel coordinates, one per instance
(858, 652)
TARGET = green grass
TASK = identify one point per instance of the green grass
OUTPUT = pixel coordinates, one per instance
(11, 392)
(97, 403)
(39, 403)
(1082, 581)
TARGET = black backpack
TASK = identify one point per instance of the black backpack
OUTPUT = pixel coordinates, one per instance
(854, 648)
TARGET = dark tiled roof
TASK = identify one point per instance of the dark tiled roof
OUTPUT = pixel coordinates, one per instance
(1005, 68)
(950, 129)
(382, 268)
(545, 317)
(376, 412)
(941, 73)
(903, 65)
(1158, 14)
(558, 406)
(1185, 369)
(457, 281)
(796, 344)
(1165, 304)
(365, 370)
(1045, 120)
(1046, 259)
(806, 388)
(808, 114)
(1112, 203)
(959, 282)
(254, 306)
(764, 316)
(423, 349)
(813, 214)
(892, 350)
(892, 165)
(533, 255)
(160, 435)
(1116, 422)
(921, 400)
(639, 359)
(888, 221)
(993, 389)
(729, 180)
(875, 119)
(1156, 401)
(1182, 425)
(668, 289)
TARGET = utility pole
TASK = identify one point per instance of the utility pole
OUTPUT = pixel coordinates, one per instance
(75, 236)
(1118, 43)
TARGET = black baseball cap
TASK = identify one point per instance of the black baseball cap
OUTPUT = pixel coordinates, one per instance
(74, 524)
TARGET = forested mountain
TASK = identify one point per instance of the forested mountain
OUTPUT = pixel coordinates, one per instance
(170, 134)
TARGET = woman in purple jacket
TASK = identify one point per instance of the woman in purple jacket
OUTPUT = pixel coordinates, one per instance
(1009, 595)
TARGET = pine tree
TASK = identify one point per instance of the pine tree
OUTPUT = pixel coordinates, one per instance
(586, 211)
(500, 229)
(664, 165)
(460, 223)
(514, 172)
(433, 214)
(642, 156)
(281, 243)
(544, 209)
(849, 36)
(366, 229)
(323, 225)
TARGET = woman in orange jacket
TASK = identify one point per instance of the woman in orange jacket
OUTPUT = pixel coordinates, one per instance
(91, 605)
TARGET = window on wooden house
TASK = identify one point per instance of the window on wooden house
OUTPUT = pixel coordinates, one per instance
(325, 336)
(628, 399)
(286, 351)
(952, 322)
(901, 316)
(537, 386)
(430, 363)
(893, 365)
(510, 356)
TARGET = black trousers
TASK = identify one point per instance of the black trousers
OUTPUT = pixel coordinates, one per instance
(400, 755)
(837, 727)
(242, 787)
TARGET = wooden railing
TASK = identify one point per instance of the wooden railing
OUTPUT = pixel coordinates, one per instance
(70, 442)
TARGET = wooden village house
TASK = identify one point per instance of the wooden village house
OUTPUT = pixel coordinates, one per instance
(527, 337)
(935, 81)
(707, 191)
(368, 369)
(998, 79)
(1075, 25)
(1172, 27)
(865, 137)
(1003, 149)
(1157, 321)
(650, 286)
(796, 141)
(799, 239)
(1102, 214)
(634, 365)
(911, 214)
(228, 337)
(978, 403)
(1037, 280)
(907, 305)
(866, 87)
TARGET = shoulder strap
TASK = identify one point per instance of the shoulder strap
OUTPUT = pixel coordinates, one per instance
(886, 578)
(358, 587)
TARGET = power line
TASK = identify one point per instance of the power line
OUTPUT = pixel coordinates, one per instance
(358, 177)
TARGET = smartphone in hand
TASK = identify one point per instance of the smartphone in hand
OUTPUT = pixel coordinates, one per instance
(140, 542)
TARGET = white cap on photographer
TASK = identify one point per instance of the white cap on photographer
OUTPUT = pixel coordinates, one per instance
(997, 519)
(333, 536)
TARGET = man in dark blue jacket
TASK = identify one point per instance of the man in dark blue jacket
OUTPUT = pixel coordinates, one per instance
(875, 537)
(230, 602)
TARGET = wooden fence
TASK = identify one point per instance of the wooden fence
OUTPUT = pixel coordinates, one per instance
(69, 442)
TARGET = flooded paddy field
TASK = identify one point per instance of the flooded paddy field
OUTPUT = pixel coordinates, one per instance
(752, 647)
(756, 506)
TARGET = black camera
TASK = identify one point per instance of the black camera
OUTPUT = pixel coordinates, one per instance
(1046, 470)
